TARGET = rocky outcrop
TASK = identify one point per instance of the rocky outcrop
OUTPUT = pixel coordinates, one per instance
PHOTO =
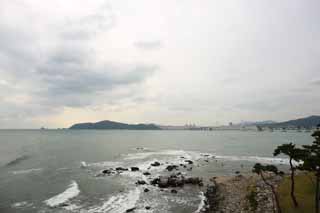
(176, 181)
(156, 163)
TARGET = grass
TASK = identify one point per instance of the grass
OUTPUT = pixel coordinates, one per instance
(252, 198)
(304, 191)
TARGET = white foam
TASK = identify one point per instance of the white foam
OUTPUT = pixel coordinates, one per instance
(103, 164)
(119, 203)
(254, 159)
(26, 171)
(71, 192)
(202, 206)
(21, 204)
(83, 164)
(143, 155)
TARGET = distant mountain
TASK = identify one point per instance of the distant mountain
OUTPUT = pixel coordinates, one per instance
(114, 125)
(255, 123)
(308, 122)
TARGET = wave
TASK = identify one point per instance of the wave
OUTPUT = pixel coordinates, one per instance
(26, 171)
(71, 192)
(119, 203)
(18, 160)
(202, 206)
(100, 164)
(21, 204)
(254, 159)
(186, 154)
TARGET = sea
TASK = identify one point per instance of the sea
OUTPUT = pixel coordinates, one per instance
(61, 170)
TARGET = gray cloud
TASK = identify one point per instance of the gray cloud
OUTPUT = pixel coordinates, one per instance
(316, 82)
(60, 68)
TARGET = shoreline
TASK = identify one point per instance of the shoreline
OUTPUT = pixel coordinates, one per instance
(239, 194)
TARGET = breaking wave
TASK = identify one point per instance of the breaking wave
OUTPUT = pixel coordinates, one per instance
(71, 192)
(119, 203)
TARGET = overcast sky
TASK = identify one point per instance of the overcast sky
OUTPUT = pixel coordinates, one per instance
(168, 61)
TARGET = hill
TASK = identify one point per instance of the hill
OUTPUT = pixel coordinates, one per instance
(114, 125)
(308, 122)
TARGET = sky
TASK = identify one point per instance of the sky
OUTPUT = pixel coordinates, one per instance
(206, 62)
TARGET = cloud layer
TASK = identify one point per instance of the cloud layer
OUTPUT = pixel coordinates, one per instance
(166, 61)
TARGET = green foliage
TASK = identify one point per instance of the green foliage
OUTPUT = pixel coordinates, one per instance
(311, 157)
(290, 150)
(252, 198)
(304, 190)
(259, 168)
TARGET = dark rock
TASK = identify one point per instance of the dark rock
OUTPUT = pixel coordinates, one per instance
(148, 207)
(237, 172)
(147, 173)
(141, 182)
(134, 169)
(172, 167)
(189, 161)
(146, 190)
(155, 164)
(107, 171)
(131, 210)
(155, 181)
(121, 169)
(174, 191)
(194, 181)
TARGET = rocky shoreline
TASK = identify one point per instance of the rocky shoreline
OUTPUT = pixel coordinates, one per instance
(237, 194)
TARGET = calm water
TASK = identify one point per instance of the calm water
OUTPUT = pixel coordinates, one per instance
(59, 170)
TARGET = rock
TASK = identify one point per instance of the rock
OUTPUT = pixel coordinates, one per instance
(237, 172)
(121, 169)
(156, 163)
(172, 167)
(155, 181)
(189, 161)
(141, 182)
(146, 190)
(146, 173)
(174, 191)
(176, 181)
(107, 171)
(131, 210)
(194, 181)
(148, 207)
(134, 169)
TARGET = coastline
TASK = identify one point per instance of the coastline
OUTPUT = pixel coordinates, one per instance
(239, 194)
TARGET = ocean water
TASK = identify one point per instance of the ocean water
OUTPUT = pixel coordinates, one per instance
(60, 170)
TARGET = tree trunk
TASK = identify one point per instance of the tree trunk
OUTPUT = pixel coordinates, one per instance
(293, 197)
(273, 192)
(317, 193)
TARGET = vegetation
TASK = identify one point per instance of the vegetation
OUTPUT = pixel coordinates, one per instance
(294, 154)
(312, 163)
(300, 189)
(261, 170)
(252, 198)
(304, 191)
